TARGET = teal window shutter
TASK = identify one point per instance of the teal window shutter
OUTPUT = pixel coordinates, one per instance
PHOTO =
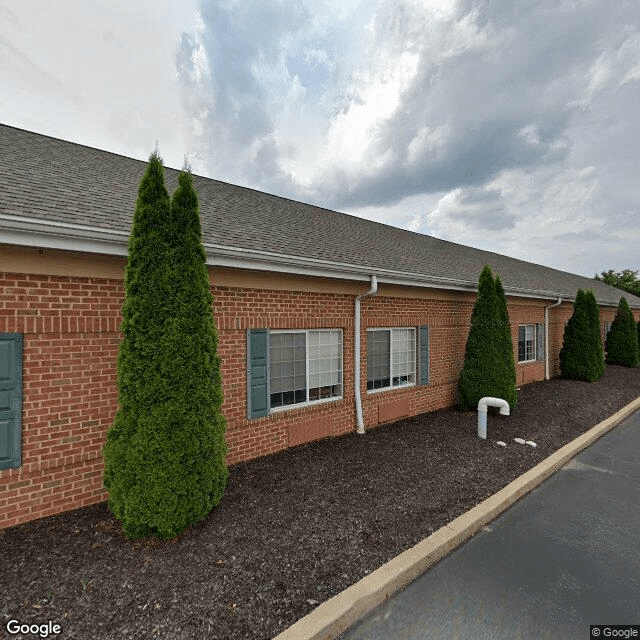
(10, 400)
(540, 339)
(423, 354)
(257, 373)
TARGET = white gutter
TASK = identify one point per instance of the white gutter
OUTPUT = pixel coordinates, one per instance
(546, 337)
(53, 234)
(371, 292)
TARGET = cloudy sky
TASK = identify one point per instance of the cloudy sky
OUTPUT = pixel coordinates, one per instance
(507, 125)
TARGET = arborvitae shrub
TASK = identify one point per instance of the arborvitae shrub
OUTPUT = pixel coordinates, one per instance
(579, 356)
(595, 348)
(487, 369)
(507, 390)
(164, 456)
(147, 283)
(622, 339)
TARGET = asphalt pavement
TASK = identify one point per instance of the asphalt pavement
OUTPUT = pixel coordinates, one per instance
(564, 557)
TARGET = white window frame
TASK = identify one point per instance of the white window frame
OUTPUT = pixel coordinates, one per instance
(308, 402)
(391, 372)
(535, 343)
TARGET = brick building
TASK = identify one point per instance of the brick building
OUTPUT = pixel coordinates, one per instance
(287, 280)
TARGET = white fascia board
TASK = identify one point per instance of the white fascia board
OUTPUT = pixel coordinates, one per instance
(48, 234)
(55, 235)
(264, 261)
(239, 258)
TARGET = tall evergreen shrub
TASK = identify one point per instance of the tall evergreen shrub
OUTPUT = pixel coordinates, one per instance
(147, 294)
(487, 367)
(595, 348)
(508, 366)
(580, 355)
(164, 456)
(622, 339)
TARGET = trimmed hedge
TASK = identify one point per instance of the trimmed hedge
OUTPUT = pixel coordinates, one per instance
(164, 455)
(489, 366)
(622, 339)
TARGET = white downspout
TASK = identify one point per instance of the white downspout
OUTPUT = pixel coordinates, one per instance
(371, 292)
(546, 337)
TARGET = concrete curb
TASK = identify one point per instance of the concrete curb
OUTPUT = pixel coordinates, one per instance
(331, 618)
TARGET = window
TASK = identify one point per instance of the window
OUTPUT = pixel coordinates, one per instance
(391, 358)
(378, 359)
(325, 364)
(304, 367)
(296, 368)
(292, 368)
(526, 342)
(287, 368)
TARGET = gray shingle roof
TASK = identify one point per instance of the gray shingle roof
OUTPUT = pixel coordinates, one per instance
(44, 178)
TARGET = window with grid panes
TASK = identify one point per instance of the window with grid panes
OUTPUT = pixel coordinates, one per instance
(526, 342)
(325, 364)
(391, 358)
(304, 366)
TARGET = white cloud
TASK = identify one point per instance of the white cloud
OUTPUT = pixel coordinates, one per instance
(616, 66)
(354, 132)
(427, 142)
(628, 58)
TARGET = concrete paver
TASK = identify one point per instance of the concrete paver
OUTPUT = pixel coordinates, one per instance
(562, 558)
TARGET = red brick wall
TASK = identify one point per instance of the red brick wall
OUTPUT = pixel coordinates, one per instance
(70, 345)
(71, 338)
(237, 310)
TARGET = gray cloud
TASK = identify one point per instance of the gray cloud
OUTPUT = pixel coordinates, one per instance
(223, 90)
(495, 121)
(478, 209)
(509, 99)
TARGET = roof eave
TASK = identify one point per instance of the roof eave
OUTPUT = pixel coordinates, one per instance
(21, 231)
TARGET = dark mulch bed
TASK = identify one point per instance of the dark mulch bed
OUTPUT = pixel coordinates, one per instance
(293, 529)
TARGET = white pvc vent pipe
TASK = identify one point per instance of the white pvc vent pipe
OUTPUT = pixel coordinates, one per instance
(482, 413)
